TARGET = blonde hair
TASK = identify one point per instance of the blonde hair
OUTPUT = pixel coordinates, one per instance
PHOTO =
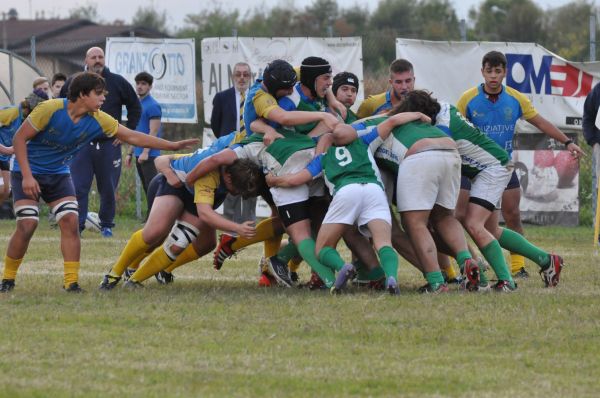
(39, 81)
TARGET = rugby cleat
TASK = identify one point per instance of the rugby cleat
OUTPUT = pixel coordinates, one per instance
(471, 275)
(522, 273)
(223, 250)
(132, 285)
(266, 280)
(74, 288)
(294, 277)
(427, 289)
(280, 271)
(344, 275)
(551, 274)
(109, 282)
(392, 286)
(7, 285)
(315, 282)
(164, 277)
(504, 287)
(128, 272)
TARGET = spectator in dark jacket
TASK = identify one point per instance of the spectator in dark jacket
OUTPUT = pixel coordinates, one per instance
(592, 136)
(102, 158)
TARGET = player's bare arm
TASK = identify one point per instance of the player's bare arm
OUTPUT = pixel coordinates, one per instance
(163, 165)
(144, 140)
(25, 133)
(552, 131)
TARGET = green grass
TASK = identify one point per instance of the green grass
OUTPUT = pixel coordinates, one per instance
(217, 334)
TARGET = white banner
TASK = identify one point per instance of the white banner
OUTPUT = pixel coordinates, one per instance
(219, 55)
(171, 62)
(556, 87)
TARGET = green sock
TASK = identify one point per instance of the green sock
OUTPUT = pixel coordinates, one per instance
(307, 251)
(461, 257)
(493, 254)
(287, 252)
(515, 242)
(435, 279)
(389, 261)
(376, 274)
(362, 271)
(483, 279)
(330, 257)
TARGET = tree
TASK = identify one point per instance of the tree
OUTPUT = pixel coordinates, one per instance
(88, 11)
(509, 20)
(436, 20)
(571, 24)
(150, 18)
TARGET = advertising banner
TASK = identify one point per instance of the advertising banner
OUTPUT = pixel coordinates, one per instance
(220, 54)
(171, 62)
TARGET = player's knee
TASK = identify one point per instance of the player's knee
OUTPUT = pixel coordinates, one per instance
(67, 209)
(512, 216)
(181, 236)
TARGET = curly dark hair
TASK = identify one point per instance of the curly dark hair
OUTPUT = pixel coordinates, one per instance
(418, 101)
(84, 83)
(246, 177)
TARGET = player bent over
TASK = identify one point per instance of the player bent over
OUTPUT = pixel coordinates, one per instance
(52, 134)
(353, 179)
(173, 218)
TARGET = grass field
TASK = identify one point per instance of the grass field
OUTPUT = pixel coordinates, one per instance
(218, 334)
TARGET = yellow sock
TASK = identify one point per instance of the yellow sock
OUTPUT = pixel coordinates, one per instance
(135, 264)
(294, 264)
(272, 245)
(264, 231)
(450, 270)
(133, 249)
(186, 256)
(157, 261)
(516, 262)
(11, 266)
(71, 272)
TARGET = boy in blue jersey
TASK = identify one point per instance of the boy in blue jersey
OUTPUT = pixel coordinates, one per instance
(495, 109)
(174, 205)
(11, 119)
(402, 81)
(183, 218)
(149, 124)
(44, 146)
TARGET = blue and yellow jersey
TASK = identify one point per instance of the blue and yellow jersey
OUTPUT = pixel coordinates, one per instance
(204, 189)
(496, 119)
(11, 119)
(59, 139)
(258, 104)
(375, 104)
(298, 101)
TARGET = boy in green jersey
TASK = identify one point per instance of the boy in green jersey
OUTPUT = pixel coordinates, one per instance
(353, 180)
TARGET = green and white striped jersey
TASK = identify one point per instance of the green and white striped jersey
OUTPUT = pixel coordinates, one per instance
(477, 150)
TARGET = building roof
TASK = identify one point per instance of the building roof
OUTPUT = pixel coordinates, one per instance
(62, 37)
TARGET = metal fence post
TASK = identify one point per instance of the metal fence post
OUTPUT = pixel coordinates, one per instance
(33, 51)
(463, 30)
(592, 37)
(11, 74)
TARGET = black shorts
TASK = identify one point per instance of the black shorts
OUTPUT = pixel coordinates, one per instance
(465, 183)
(53, 186)
(160, 187)
(294, 212)
(5, 165)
